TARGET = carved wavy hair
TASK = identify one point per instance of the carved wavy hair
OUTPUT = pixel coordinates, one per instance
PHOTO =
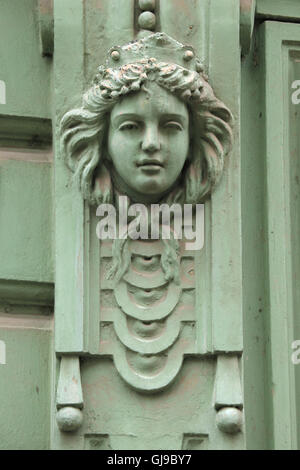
(84, 130)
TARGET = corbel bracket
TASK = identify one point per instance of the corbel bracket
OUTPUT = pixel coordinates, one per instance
(46, 26)
(247, 18)
(69, 400)
(228, 397)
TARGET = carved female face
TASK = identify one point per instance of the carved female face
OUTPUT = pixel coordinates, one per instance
(148, 142)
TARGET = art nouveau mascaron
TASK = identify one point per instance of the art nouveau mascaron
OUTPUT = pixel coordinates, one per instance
(150, 128)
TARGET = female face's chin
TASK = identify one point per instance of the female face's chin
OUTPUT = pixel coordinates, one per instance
(153, 188)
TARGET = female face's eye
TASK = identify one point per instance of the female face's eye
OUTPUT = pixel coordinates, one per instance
(129, 126)
(173, 125)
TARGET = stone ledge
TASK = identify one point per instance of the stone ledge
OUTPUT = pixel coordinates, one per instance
(31, 293)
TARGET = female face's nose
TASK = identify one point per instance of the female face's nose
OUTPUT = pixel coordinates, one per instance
(151, 139)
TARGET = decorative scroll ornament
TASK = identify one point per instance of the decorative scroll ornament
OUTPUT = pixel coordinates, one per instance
(147, 311)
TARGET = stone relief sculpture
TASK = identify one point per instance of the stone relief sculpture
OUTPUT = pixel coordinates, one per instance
(150, 128)
(166, 74)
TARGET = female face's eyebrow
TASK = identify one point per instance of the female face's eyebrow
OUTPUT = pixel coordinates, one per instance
(174, 116)
(118, 118)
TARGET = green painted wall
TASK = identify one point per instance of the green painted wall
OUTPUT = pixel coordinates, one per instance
(265, 281)
(24, 70)
(26, 230)
(26, 218)
(25, 386)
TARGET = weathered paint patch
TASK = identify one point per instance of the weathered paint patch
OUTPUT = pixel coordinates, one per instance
(28, 155)
(24, 322)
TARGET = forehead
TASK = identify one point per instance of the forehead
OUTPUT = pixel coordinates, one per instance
(153, 100)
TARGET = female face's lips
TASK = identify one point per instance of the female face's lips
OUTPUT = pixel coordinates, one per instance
(149, 163)
(151, 168)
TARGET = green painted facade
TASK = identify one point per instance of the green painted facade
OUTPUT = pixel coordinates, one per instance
(247, 274)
